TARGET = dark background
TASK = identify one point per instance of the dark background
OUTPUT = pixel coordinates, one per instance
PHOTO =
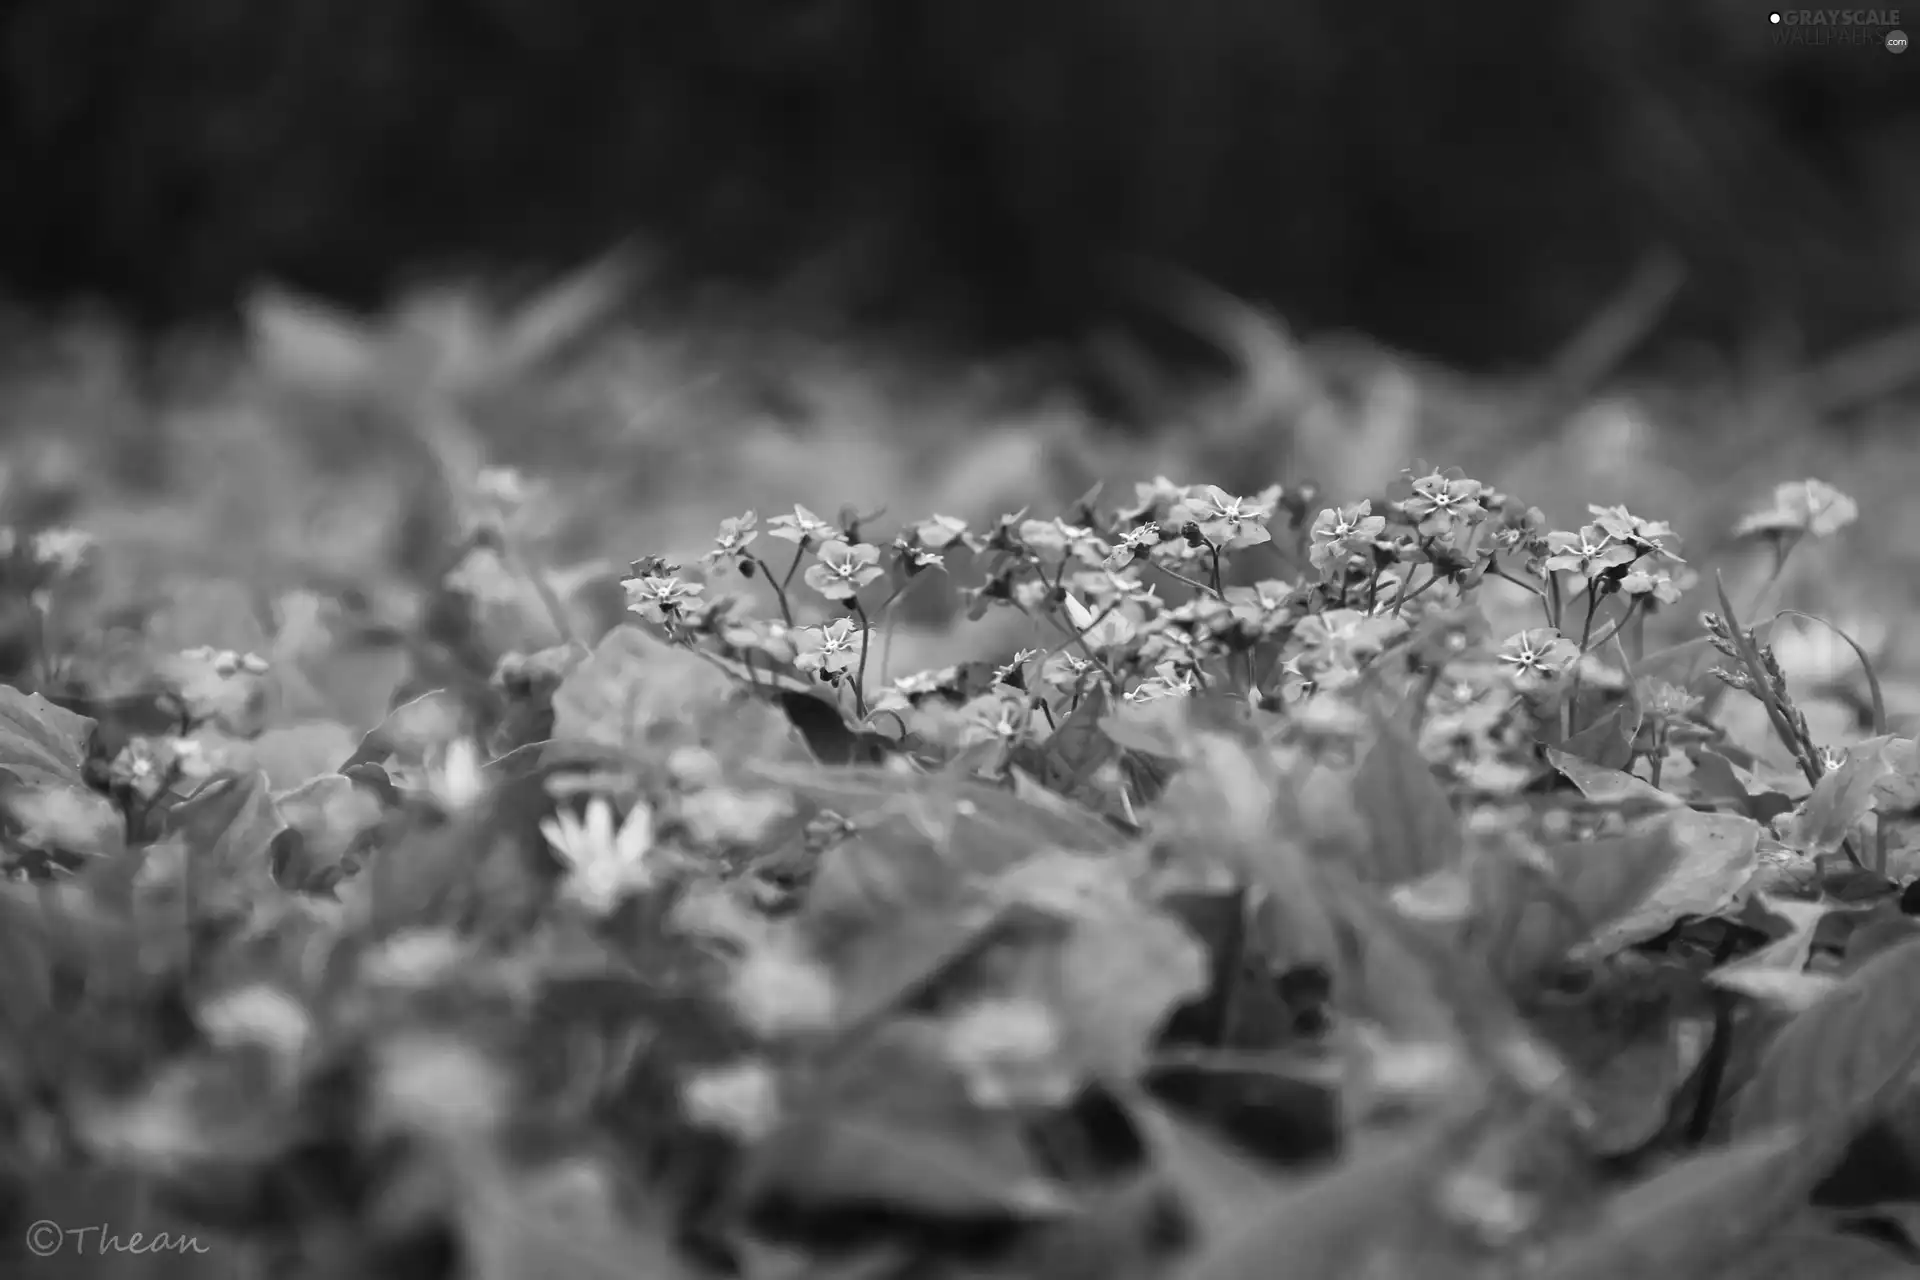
(1470, 185)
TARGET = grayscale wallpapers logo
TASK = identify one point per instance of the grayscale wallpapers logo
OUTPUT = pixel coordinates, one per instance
(1840, 28)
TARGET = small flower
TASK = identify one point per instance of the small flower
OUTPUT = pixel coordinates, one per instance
(456, 779)
(144, 766)
(1008, 1050)
(1538, 656)
(939, 532)
(916, 557)
(800, 528)
(1106, 630)
(1668, 701)
(1647, 536)
(62, 550)
(829, 650)
(1443, 501)
(742, 1099)
(660, 597)
(1262, 605)
(777, 990)
(731, 542)
(605, 863)
(1004, 673)
(1134, 543)
(1811, 507)
(842, 569)
(1337, 534)
(1065, 670)
(1155, 499)
(1588, 554)
(1227, 521)
(771, 637)
(1655, 581)
(502, 489)
(1055, 536)
(1001, 715)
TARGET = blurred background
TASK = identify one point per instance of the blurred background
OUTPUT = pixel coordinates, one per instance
(1468, 186)
(681, 260)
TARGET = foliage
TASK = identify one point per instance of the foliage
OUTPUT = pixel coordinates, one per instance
(1346, 883)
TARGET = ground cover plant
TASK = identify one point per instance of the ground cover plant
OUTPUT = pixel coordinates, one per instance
(1332, 885)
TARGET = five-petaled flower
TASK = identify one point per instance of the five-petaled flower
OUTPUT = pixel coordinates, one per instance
(1103, 630)
(660, 597)
(1538, 657)
(605, 863)
(1811, 507)
(1443, 501)
(731, 543)
(1134, 543)
(800, 527)
(831, 649)
(939, 532)
(1226, 521)
(1337, 534)
(1589, 553)
(842, 569)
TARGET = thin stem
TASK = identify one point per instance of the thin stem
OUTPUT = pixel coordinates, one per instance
(1195, 583)
(866, 645)
(549, 598)
(1633, 606)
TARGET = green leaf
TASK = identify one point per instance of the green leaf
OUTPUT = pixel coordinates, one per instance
(894, 1128)
(631, 685)
(227, 829)
(1355, 1222)
(1714, 855)
(1812, 1251)
(1840, 1058)
(1607, 743)
(1604, 785)
(1686, 1219)
(1411, 821)
(1220, 1187)
(42, 744)
(1846, 795)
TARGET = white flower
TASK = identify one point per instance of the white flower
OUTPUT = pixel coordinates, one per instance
(742, 1099)
(455, 779)
(62, 550)
(605, 863)
(1096, 630)
(778, 991)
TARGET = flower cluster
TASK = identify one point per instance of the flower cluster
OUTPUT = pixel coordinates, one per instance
(1273, 602)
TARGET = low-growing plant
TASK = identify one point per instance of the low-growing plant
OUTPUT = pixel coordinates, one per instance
(1340, 891)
